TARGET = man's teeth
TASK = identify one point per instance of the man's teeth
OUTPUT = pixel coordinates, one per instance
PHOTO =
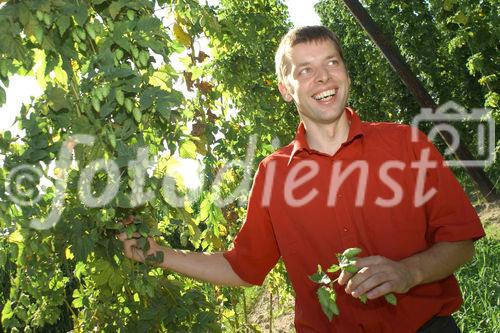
(324, 94)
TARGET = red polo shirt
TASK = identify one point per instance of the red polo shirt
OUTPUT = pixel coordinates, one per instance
(299, 209)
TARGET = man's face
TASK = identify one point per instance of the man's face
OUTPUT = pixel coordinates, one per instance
(318, 82)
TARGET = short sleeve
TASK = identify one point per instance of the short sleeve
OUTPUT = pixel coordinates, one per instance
(450, 215)
(254, 251)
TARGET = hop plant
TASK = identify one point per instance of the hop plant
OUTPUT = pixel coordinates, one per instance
(326, 292)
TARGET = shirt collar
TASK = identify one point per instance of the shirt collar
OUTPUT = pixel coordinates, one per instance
(300, 142)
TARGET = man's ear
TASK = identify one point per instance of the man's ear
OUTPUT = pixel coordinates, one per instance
(284, 92)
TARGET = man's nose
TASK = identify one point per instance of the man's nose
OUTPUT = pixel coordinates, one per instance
(322, 75)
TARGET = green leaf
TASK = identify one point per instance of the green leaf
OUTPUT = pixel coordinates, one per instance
(84, 244)
(333, 268)
(47, 19)
(161, 80)
(206, 207)
(147, 23)
(363, 298)
(320, 276)
(37, 155)
(391, 299)
(103, 272)
(351, 252)
(96, 104)
(188, 150)
(63, 23)
(77, 302)
(143, 58)
(460, 18)
(115, 281)
(128, 104)
(155, 259)
(57, 98)
(123, 43)
(39, 15)
(349, 268)
(129, 230)
(448, 4)
(106, 109)
(7, 311)
(3, 258)
(120, 96)
(327, 300)
(114, 8)
(130, 15)
(3, 96)
(146, 100)
(81, 14)
(141, 243)
(136, 112)
(91, 31)
(79, 269)
(61, 76)
(77, 299)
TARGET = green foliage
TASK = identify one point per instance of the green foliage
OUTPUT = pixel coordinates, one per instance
(479, 283)
(327, 299)
(326, 292)
(105, 68)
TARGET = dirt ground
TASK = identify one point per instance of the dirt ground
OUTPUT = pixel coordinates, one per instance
(283, 322)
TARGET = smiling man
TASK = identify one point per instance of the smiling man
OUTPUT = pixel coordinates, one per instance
(313, 75)
(412, 219)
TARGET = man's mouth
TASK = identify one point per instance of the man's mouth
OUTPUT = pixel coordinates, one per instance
(325, 95)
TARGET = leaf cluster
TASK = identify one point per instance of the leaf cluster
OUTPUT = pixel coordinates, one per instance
(326, 292)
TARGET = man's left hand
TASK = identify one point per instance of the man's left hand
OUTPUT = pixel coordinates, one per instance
(377, 276)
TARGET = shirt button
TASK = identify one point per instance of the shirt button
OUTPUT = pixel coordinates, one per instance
(345, 229)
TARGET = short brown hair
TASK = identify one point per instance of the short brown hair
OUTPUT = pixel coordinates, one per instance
(302, 35)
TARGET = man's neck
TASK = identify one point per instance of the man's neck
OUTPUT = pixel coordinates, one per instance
(327, 138)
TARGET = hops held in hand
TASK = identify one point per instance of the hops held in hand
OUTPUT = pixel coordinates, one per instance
(326, 292)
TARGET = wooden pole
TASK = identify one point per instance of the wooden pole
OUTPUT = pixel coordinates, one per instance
(416, 88)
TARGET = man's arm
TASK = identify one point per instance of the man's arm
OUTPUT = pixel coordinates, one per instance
(209, 267)
(379, 275)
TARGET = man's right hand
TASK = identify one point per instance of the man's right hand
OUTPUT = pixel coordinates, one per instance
(132, 250)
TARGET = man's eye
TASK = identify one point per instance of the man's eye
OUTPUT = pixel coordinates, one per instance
(305, 70)
(333, 62)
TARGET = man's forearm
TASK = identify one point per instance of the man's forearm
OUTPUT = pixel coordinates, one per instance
(439, 261)
(209, 267)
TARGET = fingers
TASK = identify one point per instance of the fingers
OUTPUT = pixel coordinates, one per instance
(377, 280)
(365, 283)
(130, 247)
(128, 220)
(344, 277)
(123, 236)
(363, 275)
(381, 290)
(371, 274)
(131, 250)
(360, 263)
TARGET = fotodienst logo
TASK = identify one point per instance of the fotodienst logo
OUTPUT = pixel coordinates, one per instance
(445, 119)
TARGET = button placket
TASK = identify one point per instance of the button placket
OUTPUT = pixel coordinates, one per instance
(345, 225)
